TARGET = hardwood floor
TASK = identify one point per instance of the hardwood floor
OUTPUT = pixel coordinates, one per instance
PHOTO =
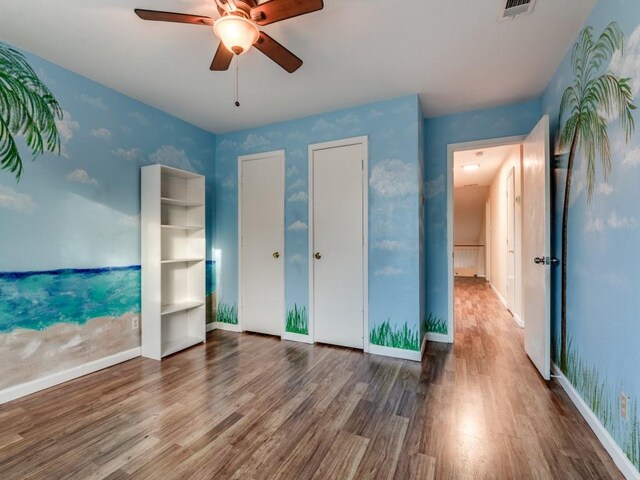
(253, 407)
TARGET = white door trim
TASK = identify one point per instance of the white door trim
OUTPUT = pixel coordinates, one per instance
(511, 203)
(364, 141)
(451, 149)
(241, 160)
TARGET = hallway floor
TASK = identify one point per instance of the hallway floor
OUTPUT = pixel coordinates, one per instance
(254, 407)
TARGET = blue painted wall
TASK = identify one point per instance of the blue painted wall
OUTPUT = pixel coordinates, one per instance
(439, 132)
(603, 263)
(394, 181)
(69, 268)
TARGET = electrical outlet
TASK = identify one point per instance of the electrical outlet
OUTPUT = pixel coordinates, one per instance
(624, 403)
(135, 323)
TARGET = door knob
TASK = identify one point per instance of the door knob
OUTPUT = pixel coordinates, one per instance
(318, 256)
(539, 260)
(276, 255)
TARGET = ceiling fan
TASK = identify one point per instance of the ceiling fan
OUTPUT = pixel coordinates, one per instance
(237, 27)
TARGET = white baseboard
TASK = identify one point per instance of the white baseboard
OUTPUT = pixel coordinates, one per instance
(423, 346)
(223, 326)
(297, 337)
(57, 378)
(607, 441)
(518, 320)
(395, 353)
(438, 337)
(499, 295)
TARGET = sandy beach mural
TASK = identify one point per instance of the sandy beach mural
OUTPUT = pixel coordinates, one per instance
(70, 263)
(51, 320)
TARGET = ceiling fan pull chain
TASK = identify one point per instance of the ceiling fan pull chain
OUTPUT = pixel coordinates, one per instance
(237, 89)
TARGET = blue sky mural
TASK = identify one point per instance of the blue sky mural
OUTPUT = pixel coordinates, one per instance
(81, 209)
(603, 265)
(69, 273)
(392, 128)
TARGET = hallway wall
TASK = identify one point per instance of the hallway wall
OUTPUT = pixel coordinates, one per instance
(498, 199)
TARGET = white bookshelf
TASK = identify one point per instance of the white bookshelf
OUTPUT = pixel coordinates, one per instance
(173, 260)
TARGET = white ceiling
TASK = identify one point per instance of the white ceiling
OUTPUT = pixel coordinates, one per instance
(456, 55)
(490, 162)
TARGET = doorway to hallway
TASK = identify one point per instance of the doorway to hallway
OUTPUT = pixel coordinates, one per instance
(499, 189)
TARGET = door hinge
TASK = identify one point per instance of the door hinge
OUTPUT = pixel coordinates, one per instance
(362, 162)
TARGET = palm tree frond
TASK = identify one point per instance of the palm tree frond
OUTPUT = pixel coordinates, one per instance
(611, 40)
(27, 108)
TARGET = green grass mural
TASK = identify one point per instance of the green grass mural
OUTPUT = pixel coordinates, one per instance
(435, 324)
(227, 314)
(297, 320)
(404, 337)
(604, 402)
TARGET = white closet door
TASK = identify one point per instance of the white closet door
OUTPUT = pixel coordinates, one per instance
(262, 243)
(337, 246)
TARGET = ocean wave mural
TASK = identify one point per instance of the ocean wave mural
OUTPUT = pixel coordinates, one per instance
(38, 300)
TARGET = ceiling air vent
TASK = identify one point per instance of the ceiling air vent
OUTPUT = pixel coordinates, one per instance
(515, 8)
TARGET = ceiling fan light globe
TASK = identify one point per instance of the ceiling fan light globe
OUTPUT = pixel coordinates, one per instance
(236, 33)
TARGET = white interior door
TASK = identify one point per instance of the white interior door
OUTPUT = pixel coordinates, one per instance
(511, 241)
(261, 233)
(337, 245)
(536, 259)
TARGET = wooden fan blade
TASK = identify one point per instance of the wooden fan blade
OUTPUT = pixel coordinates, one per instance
(222, 59)
(278, 10)
(157, 16)
(278, 53)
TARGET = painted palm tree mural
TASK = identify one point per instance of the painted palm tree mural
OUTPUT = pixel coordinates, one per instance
(596, 97)
(27, 108)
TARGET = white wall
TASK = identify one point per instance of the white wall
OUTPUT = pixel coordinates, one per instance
(469, 215)
(498, 242)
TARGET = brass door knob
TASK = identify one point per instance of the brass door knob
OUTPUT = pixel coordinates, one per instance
(276, 255)
(318, 256)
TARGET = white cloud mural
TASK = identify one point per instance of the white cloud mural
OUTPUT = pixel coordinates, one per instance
(95, 102)
(298, 197)
(594, 224)
(321, 125)
(101, 133)
(389, 271)
(632, 158)
(66, 127)
(254, 141)
(616, 222)
(140, 118)
(605, 189)
(389, 245)
(298, 226)
(297, 184)
(227, 144)
(80, 175)
(16, 201)
(297, 259)
(627, 64)
(127, 154)
(391, 178)
(170, 155)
